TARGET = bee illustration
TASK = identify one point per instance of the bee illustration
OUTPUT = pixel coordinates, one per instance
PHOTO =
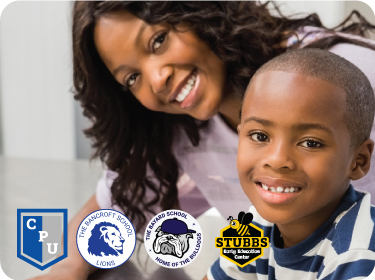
(241, 225)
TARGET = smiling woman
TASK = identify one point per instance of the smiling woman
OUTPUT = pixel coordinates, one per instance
(163, 82)
(167, 69)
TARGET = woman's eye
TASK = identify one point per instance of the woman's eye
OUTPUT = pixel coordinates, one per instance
(158, 41)
(259, 137)
(311, 144)
(131, 80)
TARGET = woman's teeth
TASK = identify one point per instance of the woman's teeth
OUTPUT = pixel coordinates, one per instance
(187, 88)
(280, 189)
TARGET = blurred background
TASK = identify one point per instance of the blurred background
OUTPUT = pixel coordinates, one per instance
(43, 152)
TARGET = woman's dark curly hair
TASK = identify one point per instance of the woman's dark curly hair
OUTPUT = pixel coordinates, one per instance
(133, 140)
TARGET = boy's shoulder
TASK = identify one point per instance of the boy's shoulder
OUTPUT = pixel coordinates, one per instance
(349, 247)
(345, 244)
(342, 248)
(354, 227)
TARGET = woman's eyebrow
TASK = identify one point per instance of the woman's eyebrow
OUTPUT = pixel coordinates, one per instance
(136, 43)
(140, 33)
(118, 69)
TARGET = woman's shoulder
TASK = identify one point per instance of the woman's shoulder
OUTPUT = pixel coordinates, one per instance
(360, 56)
(216, 133)
(308, 34)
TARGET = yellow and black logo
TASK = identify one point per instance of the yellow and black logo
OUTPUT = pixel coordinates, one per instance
(241, 242)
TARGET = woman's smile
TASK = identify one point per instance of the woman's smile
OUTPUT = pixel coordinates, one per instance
(167, 69)
(185, 93)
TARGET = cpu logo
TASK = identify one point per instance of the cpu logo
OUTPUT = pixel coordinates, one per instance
(39, 236)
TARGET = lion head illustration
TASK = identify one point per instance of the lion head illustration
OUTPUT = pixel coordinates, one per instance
(105, 240)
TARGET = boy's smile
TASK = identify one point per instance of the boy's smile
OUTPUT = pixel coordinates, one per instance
(295, 154)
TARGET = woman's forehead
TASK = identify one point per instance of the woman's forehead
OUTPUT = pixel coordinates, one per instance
(112, 25)
(117, 33)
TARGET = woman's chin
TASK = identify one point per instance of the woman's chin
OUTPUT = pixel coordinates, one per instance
(203, 117)
(204, 114)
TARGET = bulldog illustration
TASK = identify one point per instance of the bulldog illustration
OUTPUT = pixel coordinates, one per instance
(172, 238)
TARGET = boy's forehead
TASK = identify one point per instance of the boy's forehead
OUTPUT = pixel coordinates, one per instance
(288, 85)
(294, 96)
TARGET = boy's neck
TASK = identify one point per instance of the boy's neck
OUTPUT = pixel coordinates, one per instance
(297, 231)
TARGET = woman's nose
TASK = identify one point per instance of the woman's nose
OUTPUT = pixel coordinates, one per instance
(279, 157)
(160, 78)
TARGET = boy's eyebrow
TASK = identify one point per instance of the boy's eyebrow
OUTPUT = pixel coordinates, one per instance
(258, 120)
(299, 126)
(307, 126)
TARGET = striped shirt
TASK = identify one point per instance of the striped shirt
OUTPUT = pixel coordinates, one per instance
(341, 248)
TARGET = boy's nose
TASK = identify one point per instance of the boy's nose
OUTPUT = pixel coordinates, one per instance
(279, 157)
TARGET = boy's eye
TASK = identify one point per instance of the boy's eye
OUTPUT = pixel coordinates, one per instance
(311, 144)
(158, 41)
(131, 80)
(259, 137)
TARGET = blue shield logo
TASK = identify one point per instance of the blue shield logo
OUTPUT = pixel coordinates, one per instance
(39, 234)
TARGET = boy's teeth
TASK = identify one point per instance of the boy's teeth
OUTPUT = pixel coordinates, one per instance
(279, 189)
(187, 88)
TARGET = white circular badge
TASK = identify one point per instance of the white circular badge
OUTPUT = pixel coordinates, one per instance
(106, 238)
(173, 238)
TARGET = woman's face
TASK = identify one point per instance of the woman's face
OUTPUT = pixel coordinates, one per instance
(166, 70)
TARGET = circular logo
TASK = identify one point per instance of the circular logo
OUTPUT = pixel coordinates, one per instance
(173, 238)
(106, 238)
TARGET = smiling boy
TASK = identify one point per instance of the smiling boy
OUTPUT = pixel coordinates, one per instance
(304, 134)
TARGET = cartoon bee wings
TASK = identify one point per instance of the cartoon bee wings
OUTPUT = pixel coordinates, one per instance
(241, 225)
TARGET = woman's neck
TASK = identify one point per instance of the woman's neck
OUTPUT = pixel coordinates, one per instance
(230, 110)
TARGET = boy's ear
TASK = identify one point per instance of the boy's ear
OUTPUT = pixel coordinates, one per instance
(361, 163)
(239, 128)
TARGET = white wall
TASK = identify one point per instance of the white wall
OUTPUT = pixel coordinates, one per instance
(35, 69)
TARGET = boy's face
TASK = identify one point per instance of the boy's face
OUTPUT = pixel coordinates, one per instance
(294, 142)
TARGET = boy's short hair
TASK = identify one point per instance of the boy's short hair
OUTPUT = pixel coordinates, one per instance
(360, 100)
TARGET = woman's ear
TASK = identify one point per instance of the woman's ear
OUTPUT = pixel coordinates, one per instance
(362, 160)
(239, 128)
